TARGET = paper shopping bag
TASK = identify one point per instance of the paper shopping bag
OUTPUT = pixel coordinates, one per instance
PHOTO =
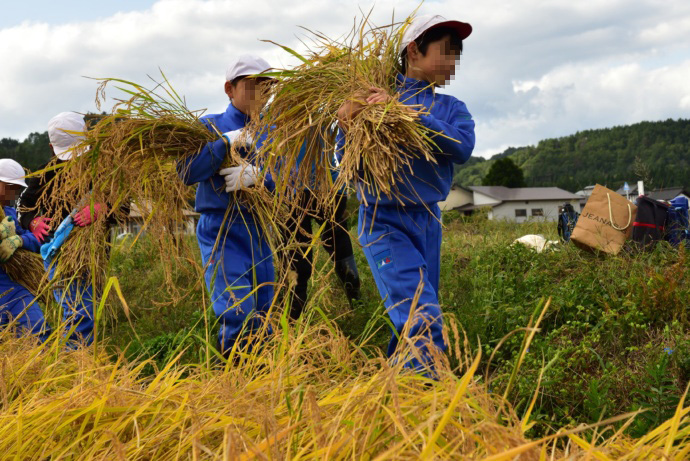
(605, 223)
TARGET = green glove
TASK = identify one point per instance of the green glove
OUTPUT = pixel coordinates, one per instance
(7, 228)
(8, 246)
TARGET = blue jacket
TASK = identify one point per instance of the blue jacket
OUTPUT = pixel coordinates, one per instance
(328, 158)
(29, 241)
(430, 183)
(203, 167)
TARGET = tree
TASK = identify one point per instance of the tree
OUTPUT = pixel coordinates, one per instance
(504, 172)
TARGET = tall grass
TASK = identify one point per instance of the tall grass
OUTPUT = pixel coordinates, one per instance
(309, 393)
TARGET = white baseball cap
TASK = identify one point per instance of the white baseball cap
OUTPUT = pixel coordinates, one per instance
(421, 24)
(247, 64)
(64, 133)
(12, 172)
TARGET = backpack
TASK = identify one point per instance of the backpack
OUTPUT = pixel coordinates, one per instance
(566, 222)
(677, 222)
(650, 221)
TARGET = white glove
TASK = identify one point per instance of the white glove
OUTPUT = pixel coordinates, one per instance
(239, 177)
(243, 136)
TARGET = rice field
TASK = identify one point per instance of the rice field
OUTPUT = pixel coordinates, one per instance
(312, 391)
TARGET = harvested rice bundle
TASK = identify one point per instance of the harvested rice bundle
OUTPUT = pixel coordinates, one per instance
(24, 267)
(305, 104)
(132, 157)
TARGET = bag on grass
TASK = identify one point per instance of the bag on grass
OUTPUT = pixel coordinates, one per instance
(650, 221)
(605, 223)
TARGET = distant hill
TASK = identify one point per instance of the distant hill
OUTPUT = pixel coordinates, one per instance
(656, 152)
(31, 153)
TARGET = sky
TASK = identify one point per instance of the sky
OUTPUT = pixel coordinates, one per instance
(531, 70)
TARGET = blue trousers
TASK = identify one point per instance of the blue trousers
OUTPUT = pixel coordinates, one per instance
(403, 248)
(76, 301)
(16, 302)
(240, 262)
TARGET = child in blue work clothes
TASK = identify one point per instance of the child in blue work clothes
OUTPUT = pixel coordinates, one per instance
(236, 255)
(66, 132)
(16, 302)
(401, 236)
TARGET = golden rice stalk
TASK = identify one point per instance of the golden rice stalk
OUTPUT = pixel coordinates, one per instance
(133, 156)
(25, 267)
(380, 143)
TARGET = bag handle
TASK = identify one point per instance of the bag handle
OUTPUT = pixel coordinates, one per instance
(611, 215)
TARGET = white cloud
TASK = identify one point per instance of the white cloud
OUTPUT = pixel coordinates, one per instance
(531, 69)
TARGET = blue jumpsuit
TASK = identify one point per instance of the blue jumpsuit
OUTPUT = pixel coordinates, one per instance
(403, 243)
(16, 302)
(76, 300)
(242, 259)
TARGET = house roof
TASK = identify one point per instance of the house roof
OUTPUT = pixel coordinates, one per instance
(667, 194)
(508, 194)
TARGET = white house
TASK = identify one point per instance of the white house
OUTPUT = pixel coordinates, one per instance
(522, 203)
(135, 222)
(458, 197)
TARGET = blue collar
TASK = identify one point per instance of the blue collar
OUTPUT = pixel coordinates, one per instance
(408, 83)
(234, 115)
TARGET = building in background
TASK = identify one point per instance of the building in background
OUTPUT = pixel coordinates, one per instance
(135, 222)
(669, 193)
(520, 204)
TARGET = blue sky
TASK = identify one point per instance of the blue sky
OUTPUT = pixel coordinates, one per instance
(531, 70)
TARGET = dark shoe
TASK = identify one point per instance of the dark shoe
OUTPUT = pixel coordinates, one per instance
(346, 270)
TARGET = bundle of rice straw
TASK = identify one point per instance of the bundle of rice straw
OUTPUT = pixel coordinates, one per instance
(131, 157)
(304, 107)
(25, 267)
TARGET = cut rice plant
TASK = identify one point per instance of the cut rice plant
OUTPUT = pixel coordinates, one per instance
(309, 393)
(133, 157)
(25, 267)
(304, 107)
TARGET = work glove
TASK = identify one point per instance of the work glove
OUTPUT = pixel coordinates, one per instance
(7, 228)
(40, 227)
(84, 217)
(8, 246)
(239, 177)
(239, 136)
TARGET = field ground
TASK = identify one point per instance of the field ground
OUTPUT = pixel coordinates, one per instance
(611, 351)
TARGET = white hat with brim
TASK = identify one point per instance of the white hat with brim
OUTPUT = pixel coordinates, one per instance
(421, 24)
(246, 65)
(66, 131)
(11, 172)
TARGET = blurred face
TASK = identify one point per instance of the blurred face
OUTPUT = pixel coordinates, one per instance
(437, 66)
(248, 95)
(9, 192)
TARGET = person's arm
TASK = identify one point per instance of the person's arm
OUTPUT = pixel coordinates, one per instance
(204, 164)
(29, 240)
(461, 128)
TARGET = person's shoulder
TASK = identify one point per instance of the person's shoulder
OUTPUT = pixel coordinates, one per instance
(452, 102)
(448, 99)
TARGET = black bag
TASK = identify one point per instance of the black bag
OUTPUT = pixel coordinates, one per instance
(650, 221)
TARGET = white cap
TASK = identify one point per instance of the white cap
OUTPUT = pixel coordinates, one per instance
(63, 132)
(11, 172)
(421, 24)
(247, 64)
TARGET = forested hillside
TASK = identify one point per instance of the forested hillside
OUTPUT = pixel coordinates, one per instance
(657, 152)
(31, 153)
